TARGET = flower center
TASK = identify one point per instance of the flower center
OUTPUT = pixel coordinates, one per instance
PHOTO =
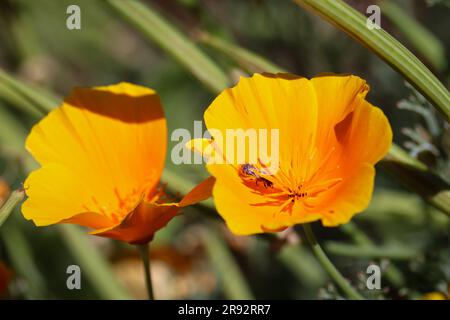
(287, 186)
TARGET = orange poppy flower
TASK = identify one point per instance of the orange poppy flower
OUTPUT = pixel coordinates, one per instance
(102, 153)
(330, 137)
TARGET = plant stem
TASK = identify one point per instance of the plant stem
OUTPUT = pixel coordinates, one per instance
(8, 207)
(329, 267)
(144, 251)
(93, 263)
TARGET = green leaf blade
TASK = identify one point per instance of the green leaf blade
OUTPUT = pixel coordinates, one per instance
(385, 46)
(168, 38)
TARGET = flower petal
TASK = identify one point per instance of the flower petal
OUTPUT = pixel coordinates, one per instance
(368, 126)
(50, 199)
(336, 96)
(266, 101)
(201, 192)
(206, 147)
(141, 224)
(352, 197)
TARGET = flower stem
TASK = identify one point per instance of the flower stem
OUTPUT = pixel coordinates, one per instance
(144, 251)
(329, 267)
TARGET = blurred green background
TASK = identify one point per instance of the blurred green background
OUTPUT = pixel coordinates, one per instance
(195, 256)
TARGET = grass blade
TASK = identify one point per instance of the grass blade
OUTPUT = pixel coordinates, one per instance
(386, 47)
(416, 176)
(369, 251)
(423, 40)
(246, 59)
(14, 199)
(392, 273)
(21, 257)
(303, 265)
(166, 36)
(16, 99)
(42, 101)
(234, 283)
(92, 263)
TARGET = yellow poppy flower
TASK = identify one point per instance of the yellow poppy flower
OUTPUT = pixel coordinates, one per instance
(102, 153)
(330, 137)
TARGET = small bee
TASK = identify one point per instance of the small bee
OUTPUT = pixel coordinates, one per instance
(251, 170)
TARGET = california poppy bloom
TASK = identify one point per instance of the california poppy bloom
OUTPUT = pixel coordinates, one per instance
(330, 137)
(102, 154)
